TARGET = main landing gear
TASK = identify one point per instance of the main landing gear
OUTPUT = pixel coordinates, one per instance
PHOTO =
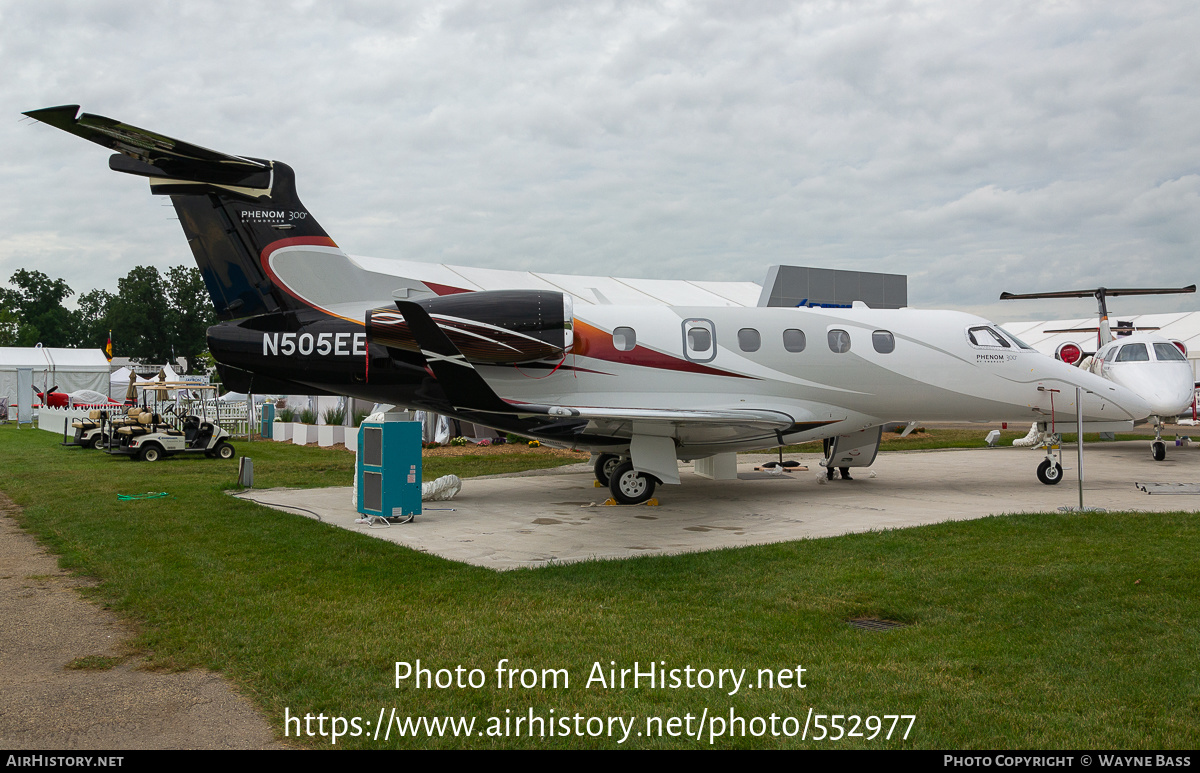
(627, 485)
(605, 465)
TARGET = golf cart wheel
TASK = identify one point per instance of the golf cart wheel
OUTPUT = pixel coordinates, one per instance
(150, 454)
(630, 487)
(224, 450)
(605, 466)
(1049, 472)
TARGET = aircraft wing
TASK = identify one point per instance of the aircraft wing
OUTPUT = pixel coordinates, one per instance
(766, 419)
(467, 390)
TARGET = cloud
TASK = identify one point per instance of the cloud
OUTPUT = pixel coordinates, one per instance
(974, 146)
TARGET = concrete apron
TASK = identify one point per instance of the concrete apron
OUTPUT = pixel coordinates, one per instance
(545, 517)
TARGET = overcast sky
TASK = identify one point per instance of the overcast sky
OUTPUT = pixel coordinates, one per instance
(974, 146)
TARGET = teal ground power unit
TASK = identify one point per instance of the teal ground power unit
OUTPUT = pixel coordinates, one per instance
(389, 468)
(267, 421)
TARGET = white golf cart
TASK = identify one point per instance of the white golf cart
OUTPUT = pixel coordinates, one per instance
(154, 434)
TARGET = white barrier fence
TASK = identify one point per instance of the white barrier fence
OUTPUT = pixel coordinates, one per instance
(235, 418)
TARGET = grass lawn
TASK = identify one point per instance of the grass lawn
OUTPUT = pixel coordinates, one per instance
(1031, 631)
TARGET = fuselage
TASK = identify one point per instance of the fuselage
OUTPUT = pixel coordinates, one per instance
(831, 370)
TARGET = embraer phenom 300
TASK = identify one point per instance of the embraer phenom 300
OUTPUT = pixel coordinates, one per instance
(641, 386)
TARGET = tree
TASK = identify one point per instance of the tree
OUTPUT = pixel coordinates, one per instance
(141, 316)
(92, 320)
(191, 312)
(36, 305)
(8, 326)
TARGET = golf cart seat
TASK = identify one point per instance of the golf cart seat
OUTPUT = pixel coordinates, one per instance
(91, 422)
(145, 422)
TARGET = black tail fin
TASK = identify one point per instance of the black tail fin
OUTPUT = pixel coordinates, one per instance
(235, 210)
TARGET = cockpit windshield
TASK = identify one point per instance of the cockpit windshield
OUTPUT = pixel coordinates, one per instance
(1133, 353)
(986, 336)
(1168, 352)
(1017, 341)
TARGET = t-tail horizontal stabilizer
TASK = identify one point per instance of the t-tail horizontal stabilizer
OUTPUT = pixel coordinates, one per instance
(237, 212)
(171, 158)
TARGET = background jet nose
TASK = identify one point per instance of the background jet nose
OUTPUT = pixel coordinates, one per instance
(1169, 399)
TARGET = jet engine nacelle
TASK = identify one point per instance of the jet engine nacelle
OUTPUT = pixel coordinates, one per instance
(497, 327)
(1069, 353)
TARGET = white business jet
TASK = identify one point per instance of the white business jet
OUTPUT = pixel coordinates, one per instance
(1151, 366)
(640, 386)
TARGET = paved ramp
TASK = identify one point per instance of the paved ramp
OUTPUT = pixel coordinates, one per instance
(529, 520)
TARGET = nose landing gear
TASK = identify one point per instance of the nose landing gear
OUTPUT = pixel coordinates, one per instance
(1049, 472)
(1158, 449)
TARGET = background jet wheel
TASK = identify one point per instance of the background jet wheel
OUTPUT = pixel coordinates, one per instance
(630, 487)
(1158, 450)
(605, 465)
(1049, 472)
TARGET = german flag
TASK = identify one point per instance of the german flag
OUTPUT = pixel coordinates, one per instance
(108, 347)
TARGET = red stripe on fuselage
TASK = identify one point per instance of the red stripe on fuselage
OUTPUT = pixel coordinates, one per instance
(445, 289)
(298, 241)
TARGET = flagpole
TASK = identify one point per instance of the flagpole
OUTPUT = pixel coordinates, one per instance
(108, 354)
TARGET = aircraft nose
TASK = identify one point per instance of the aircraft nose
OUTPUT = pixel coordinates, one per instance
(1166, 392)
(1169, 399)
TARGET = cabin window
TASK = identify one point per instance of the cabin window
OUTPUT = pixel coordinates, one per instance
(749, 340)
(698, 340)
(1169, 352)
(793, 340)
(624, 339)
(985, 336)
(883, 341)
(839, 341)
(1133, 353)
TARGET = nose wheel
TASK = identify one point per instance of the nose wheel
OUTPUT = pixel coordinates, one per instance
(1049, 472)
(1158, 450)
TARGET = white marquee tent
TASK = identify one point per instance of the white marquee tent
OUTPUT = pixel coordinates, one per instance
(68, 369)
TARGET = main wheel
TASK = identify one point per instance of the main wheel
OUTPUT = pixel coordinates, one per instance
(224, 450)
(1158, 450)
(149, 454)
(1049, 472)
(630, 487)
(604, 467)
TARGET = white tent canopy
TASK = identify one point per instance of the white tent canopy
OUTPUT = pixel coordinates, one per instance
(68, 369)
